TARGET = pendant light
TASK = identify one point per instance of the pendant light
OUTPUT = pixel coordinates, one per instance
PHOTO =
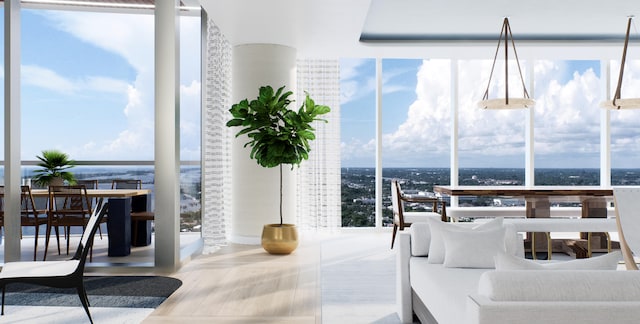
(617, 102)
(506, 102)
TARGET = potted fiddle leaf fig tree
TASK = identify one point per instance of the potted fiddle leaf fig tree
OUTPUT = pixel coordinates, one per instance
(54, 165)
(277, 135)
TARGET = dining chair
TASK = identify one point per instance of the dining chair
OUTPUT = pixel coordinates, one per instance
(137, 215)
(626, 201)
(32, 215)
(69, 206)
(402, 219)
(91, 184)
(58, 274)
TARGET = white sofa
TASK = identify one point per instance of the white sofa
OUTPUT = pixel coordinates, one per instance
(436, 294)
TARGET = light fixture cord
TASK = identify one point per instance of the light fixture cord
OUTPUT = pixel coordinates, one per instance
(506, 31)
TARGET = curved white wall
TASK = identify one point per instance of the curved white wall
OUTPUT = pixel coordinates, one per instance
(255, 193)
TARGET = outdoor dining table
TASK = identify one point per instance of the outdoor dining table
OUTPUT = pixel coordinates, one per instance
(118, 216)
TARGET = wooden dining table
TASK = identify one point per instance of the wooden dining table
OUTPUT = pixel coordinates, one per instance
(593, 199)
(118, 215)
(538, 198)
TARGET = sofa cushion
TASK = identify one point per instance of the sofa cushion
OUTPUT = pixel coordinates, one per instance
(443, 290)
(437, 247)
(560, 285)
(421, 236)
(472, 249)
(609, 261)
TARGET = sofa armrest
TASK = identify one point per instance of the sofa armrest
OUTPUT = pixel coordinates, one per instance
(482, 310)
(560, 285)
(403, 282)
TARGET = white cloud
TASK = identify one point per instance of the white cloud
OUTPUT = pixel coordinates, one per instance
(104, 84)
(131, 37)
(566, 119)
(354, 82)
(47, 79)
(42, 77)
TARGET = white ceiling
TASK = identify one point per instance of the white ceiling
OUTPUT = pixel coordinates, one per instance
(429, 28)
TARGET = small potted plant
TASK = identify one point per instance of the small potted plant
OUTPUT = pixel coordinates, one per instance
(54, 166)
(277, 136)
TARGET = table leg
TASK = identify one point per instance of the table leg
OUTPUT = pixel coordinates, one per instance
(119, 226)
(539, 207)
(595, 207)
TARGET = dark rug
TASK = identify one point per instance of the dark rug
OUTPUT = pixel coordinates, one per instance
(103, 291)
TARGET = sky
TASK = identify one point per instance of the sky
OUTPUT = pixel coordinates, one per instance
(87, 89)
(87, 85)
(416, 115)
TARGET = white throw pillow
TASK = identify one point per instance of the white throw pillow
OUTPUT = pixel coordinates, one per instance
(437, 248)
(513, 241)
(472, 249)
(420, 239)
(609, 261)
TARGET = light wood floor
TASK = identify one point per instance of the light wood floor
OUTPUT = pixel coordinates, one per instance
(342, 278)
(339, 278)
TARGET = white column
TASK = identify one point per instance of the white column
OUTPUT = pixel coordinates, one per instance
(255, 190)
(379, 189)
(12, 130)
(167, 135)
(529, 153)
(605, 126)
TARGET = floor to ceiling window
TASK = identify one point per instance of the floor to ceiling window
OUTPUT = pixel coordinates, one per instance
(416, 114)
(88, 90)
(567, 122)
(492, 144)
(625, 133)
(358, 131)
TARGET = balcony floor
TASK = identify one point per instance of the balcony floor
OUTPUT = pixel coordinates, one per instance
(141, 259)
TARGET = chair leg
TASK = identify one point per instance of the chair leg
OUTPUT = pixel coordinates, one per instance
(3, 289)
(67, 235)
(58, 237)
(82, 293)
(35, 244)
(46, 241)
(393, 237)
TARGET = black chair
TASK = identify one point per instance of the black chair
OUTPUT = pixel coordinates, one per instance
(57, 274)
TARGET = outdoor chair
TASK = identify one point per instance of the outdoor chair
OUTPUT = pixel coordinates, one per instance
(402, 219)
(32, 215)
(57, 274)
(92, 184)
(69, 206)
(627, 204)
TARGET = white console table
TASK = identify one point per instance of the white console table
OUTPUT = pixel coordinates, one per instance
(547, 225)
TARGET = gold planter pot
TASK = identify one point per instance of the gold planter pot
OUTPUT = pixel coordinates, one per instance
(279, 239)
